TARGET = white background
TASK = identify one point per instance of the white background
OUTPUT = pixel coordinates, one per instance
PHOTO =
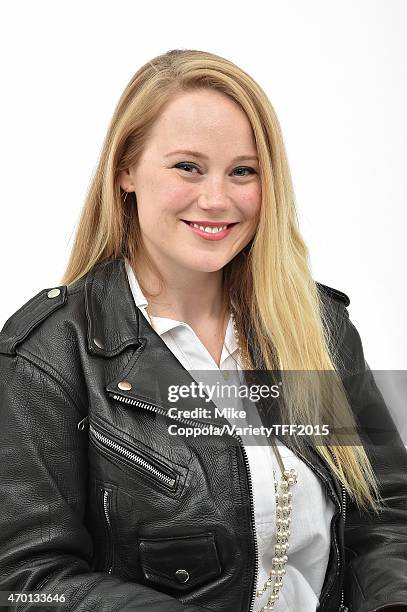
(335, 73)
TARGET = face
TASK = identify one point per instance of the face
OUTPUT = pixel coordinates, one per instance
(200, 166)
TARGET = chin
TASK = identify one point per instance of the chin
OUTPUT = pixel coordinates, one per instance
(209, 266)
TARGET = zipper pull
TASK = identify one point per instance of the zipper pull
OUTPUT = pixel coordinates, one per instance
(82, 424)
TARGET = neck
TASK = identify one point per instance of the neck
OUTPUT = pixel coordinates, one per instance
(192, 297)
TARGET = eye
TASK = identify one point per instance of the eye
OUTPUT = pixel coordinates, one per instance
(251, 170)
(185, 164)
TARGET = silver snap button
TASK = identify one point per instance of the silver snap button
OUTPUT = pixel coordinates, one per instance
(98, 343)
(182, 575)
(53, 293)
(124, 385)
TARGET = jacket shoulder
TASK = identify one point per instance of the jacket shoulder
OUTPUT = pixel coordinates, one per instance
(31, 314)
(335, 294)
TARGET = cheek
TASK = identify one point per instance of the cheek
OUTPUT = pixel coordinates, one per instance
(160, 197)
(173, 195)
(250, 200)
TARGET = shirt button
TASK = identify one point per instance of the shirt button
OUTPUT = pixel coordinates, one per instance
(226, 375)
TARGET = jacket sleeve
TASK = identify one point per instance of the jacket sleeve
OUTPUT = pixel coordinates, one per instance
(44, 543)
(375, 545)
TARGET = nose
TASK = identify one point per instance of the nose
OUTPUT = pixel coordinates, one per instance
(213, 195)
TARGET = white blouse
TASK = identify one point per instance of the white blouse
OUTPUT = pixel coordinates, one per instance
(312, 508)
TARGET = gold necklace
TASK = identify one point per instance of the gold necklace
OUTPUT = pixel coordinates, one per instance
(283, 520)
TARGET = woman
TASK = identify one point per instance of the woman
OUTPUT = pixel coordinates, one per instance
(188, 260)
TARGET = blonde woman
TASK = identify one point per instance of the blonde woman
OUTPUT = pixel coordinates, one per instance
(188, 259)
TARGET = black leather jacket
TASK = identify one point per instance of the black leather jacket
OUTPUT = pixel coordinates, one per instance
(96, 502)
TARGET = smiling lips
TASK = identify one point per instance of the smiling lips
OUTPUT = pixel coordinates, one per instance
(210, 230)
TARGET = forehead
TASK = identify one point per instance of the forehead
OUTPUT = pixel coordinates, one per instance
(204, 116)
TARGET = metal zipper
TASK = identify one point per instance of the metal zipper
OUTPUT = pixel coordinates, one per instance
(133, 402)
(315, 469)
(169, 481)
(342, 607)
(106, 512)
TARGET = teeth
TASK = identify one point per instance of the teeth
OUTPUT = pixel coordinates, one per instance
(209, 230)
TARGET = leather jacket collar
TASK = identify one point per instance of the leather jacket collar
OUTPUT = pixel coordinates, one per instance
(112, 316)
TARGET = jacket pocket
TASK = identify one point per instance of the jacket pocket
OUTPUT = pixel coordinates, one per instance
(179, 563)
(152, 468)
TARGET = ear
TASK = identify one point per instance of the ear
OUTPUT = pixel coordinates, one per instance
(125, 180)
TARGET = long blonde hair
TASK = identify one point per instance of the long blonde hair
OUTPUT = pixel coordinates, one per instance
(270, 281)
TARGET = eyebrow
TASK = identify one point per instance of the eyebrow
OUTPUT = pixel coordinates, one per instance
(202, 156)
